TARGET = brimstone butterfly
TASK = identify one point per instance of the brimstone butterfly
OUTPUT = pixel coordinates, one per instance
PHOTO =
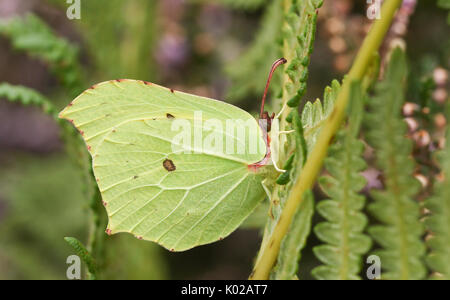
(156, 156)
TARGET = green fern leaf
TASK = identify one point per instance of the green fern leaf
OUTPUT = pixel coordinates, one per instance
(401, 231)
(287, 264)
(438, 222)
(342, 232)
(249, 72)
(84, 254)
(311, 120)
(74, 144)
(315, 113)
(27, 97)
(32, 35)
(298, 33)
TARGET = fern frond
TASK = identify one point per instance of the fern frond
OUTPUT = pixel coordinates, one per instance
(299, 28)
(31, 35)
(438, 223)
(74, 143)
(27, 97)
(249, 73)
(299, 31)
(343, 230)
(315, 113)
(85, 256)
(290, 251)
(310, 121)
(401, 231)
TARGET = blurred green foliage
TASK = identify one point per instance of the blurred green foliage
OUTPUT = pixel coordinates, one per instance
(42, 197)
(120, 37)
(44, 203)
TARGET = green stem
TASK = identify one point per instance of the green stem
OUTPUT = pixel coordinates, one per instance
(306, 179)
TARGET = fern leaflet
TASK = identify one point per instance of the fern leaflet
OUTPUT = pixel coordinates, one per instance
(32, 35)
(27, 97)
(438, 222)
(342, 232)
(401, 231)
(84, 254)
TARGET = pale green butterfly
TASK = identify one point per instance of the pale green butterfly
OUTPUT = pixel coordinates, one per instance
(179, 195)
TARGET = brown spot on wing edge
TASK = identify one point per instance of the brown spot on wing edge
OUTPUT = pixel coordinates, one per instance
(169, 165)
(170, 116)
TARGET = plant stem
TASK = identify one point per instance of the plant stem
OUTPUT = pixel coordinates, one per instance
(306, 179)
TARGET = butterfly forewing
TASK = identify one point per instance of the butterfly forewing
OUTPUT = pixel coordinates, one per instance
(160, 187)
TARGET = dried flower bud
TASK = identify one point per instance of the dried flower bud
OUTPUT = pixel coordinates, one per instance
(422, 138)
(440, 177)
(337, 44)
(441, 143)
(422, 179)
(440, 95)
(342, 62)
(440, 76)
(335, 26)
(409, 108)
(399, 28)
(440, 121)
(413, 125)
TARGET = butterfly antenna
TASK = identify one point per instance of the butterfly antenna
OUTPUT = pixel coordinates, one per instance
(275, 65)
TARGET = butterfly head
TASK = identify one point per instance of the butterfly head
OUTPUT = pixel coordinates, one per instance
(267, 121)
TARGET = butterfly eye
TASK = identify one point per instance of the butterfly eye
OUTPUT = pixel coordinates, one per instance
(268, 120)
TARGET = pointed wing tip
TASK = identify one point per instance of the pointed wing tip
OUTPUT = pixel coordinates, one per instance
(62, 114)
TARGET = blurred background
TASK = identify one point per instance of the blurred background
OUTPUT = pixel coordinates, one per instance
(201, 47)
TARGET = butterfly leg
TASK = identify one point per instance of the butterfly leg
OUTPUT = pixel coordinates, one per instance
(281, 111)
(276, 167)
(286, 132)
(273, 161)
(266, 189)
(269, 195)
